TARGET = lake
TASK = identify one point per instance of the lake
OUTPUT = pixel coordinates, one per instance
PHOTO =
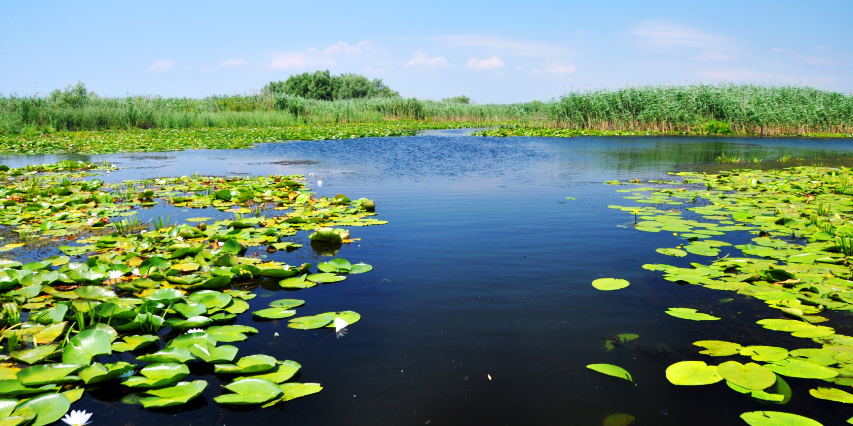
(479, 309)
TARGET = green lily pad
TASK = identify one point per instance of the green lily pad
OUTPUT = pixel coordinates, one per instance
(48, 408)
(672, 252)
(37, 375)
(776, 418)
(611, 370)
(230, 333)
(250, 391)
(325, 278)
(750, 375)
(85, 345)
(792, 367)
(157, 375)
(274, 313)
(286, 303)
(692, 373)
(832, 394)
(181, 393)
(98, 372)
(310, 323)
(284, 372)
(190, 309)
(718, 348)
(690, 314)
(173, 355)
(296, 390)
(214, 354)
(764, 353)
(608, 284)
(248, 364)
(34, 355)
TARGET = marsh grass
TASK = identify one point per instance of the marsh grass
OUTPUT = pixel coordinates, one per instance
(692, 109)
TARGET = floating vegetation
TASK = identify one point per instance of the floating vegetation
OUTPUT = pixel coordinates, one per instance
(608, 284)
(167, 294)
(611, 370)
(798, 262)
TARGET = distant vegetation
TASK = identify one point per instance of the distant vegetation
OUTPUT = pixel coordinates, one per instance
(304, 99)
(322, 86)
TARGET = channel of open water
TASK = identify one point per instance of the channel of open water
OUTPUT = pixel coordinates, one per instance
(479, 309)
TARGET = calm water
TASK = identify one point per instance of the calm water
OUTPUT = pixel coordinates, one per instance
(485, 270)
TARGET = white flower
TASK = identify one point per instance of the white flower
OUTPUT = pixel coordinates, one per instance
(340, 324)
(276, 334)
(115, 274)
(179, 238)
(90, 221)
(319, 183)
(77, 418)
(195, 330)
(113, 166)
(220, 243)
(142, 232)
(127, 374)
(311, 174)
(135, 272)
(94, 213)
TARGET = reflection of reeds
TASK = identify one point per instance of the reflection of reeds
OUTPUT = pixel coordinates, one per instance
(723, 158)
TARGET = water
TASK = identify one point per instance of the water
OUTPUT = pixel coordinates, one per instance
(479, 309)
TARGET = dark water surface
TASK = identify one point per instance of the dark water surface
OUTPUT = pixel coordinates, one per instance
(484, 270)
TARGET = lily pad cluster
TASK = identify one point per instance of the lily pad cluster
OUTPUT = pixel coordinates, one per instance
(164, 294)
(798, 261)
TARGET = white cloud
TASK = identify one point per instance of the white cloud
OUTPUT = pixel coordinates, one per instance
(232, 63)
(364, 46)
(560, 70)
(289, 60)
(485, 64)
(503, 45)
(796, 56)
(536, 71)
(161, 66)
(822, 47)
(668, 37)
(421, 59)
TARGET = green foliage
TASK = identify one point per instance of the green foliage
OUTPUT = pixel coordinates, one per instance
(461, 99)
(321, 85)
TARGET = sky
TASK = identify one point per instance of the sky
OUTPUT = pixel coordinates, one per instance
(491, 51)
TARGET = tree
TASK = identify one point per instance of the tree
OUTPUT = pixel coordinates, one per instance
(462, 99)
(324, 86)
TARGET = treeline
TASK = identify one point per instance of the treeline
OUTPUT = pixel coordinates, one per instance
(322, 86)
(714, 109)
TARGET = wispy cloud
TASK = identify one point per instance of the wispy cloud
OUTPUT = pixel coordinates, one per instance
(329, 56)
(817, 61)
(560, 70)
(663, 36)
(161, 66)
(421, 59)
(230, 63)
(485, 64)
(504, 45)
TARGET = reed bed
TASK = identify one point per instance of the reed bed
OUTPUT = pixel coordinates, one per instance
(694, 109)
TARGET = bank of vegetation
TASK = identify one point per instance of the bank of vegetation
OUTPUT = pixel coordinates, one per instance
(320, 98)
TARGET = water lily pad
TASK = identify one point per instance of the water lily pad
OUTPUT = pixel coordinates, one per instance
(230, 333)
(310, 323)
(157, 375)
(718, 348)
(672, 252)
(179, 394)
(34, 355)
(764, 353)
(832, 394)
(250, 391)
(750, 375)
(98, 372)
(284, 372)
(37, 375)
(48, 408)
(792, 367)
(296, 390)
(248, 364)
(214, 354)
(692, 373)
(85, 345)
(608, 284)
(192, 322)
(619, 419)
(325, 278)
(611, 370)
(690, 314)
(286, 303)
(274, 313)
(776, 418)
(173, 355)
(190, 309)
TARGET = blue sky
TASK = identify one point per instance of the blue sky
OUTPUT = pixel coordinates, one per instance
(496, 51)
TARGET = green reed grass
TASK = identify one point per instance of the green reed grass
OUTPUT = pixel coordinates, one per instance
(694, 109)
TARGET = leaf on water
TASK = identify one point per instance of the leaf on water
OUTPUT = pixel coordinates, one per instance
(692, 373)
(690, 314)
(832, 394)
(608, 284)
(618, 420)
(750, 376)
(776, 418)
(611, 370)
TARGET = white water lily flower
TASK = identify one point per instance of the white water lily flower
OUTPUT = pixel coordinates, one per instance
(77, 418)
(179, 238)
(113, 166)
(220, 243)
(115, 275)
(195, 330)
(340, 324)
(90, 221)
(319, 183)
(135, 272)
